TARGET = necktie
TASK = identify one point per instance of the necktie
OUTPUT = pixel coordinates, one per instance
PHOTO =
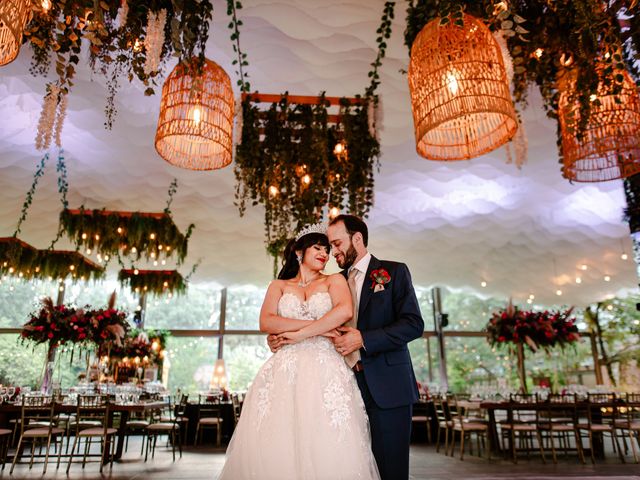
(353, 357)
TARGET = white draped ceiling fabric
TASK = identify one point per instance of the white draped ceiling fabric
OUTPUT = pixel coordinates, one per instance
(453, 224)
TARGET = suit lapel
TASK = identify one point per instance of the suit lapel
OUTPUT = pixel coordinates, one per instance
(367, 291)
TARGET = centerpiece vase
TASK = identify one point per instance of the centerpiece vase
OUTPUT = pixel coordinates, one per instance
(46, 386)
(520, 367)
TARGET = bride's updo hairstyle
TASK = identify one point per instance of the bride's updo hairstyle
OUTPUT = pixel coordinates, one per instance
(300, 243)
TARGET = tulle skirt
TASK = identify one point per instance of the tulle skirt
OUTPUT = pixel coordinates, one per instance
(303, 418)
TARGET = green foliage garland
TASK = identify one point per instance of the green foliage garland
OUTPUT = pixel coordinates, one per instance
(298, 140)
(232, 7)
(153, 281)
(384, 33)
(29, 197)
(115, 44)
(21, 259)
(547, 39)
(150, 234)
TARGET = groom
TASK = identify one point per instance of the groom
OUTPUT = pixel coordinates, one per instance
(386, 318)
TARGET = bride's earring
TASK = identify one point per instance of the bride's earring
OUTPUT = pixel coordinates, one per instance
(299, 258)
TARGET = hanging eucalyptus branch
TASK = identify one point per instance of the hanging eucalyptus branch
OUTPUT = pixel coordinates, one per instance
(193, 270)
(29, 197)
(384, 33)
(232, 7)
(157, 282)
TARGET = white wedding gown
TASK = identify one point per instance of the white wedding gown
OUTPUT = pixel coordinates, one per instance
(303, 417)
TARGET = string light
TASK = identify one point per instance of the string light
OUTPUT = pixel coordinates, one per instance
(483, 284)
(578, 280)
(84, 236)
(607, 278)
(583, 266)
(306, 179)
(558, 292)
(273, 191)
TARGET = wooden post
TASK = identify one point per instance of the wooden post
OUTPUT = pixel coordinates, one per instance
(223, 317)
(437, 310)
(596, 359)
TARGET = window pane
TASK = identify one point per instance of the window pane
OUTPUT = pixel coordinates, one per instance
(244, 355)
(97, 295)
(243, 307)
(190, 363)
(471, 361)
(426, 306)
(20, 298)
(199, 308)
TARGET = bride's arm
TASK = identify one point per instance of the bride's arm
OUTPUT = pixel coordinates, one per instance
(270, 321)
(341, 312)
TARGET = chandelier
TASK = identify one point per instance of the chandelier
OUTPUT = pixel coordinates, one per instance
(195, 127)
(609, 147)
(459, 89)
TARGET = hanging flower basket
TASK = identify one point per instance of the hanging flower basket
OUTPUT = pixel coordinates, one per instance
(157, 282)
(137, 234)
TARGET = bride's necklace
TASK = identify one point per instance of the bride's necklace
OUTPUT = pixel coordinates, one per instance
(303, 284)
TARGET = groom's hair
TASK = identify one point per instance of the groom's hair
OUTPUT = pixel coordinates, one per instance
(353, 224)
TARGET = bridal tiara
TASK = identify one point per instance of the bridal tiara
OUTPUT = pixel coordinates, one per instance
(313, 228)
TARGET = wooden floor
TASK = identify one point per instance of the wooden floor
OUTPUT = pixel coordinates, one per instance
(206, 463)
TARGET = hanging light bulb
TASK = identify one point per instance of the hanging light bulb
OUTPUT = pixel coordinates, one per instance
(483, 284)
(452, 83)
(306, 179)
(583, 266)
(197, 115)
(136, 271)
(578, 280)
(558, 292)
(607, 278)
(273, 191)
(334, 212)
(624, 256)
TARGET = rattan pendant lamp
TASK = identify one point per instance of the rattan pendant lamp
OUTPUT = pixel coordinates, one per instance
(459, 89)
(610, 146)
(13, 17)
(195, 127)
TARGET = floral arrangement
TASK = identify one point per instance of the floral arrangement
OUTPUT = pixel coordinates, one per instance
(147, 346)
(56, 325)
(537, 329)
(61, 324)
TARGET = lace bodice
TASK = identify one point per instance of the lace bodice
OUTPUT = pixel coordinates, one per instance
(290, 306)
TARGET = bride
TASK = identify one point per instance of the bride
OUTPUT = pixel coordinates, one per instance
(303, 417)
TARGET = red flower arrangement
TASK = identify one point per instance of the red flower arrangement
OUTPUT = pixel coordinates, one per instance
(61, 324)
(537, 329)
(148, 346)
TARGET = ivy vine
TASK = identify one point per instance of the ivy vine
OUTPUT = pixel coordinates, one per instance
(384, 33)
(286, 162)
(157, 282)
(63, 184)
(232, 7)
(32, 190)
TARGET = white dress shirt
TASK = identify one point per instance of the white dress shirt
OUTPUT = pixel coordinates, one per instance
(361, 267)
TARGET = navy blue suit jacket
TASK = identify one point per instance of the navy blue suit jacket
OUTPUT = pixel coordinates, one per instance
(389, 320)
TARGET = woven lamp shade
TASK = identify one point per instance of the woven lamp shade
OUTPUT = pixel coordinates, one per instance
(195, 127)
(13, 17)
(610, 148)
(459, 89)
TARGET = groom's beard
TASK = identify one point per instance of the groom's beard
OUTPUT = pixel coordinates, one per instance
(349, 257)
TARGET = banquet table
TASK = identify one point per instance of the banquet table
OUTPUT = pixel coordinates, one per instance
(11, 410)
(509, 407)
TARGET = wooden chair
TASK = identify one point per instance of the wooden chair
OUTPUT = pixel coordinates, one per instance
(423, 419)
(445, 422)
(602, 414)
(629, 421)
(559, 422)
(467, 428)
(209, 417)
(37, 426)
(169, 426)
(523, 424)
(92, 414)
(179, 415)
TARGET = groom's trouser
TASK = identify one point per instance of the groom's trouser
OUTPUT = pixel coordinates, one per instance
(390, 435)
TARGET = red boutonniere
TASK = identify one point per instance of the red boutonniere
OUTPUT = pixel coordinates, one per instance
(379, 278)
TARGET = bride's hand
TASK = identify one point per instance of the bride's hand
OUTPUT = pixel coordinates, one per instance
(332, 334)
(288, 338)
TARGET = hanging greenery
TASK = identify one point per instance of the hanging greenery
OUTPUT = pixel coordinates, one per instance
(548, 39)
(136, 234)
(286, 162)
(21, 260)
(130, 37)
(241, 62)
(384, 33)
(148, 346)
(158, 282)
(29, 197)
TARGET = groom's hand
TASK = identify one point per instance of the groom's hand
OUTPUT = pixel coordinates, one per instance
(350, 341)
(274, 342)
